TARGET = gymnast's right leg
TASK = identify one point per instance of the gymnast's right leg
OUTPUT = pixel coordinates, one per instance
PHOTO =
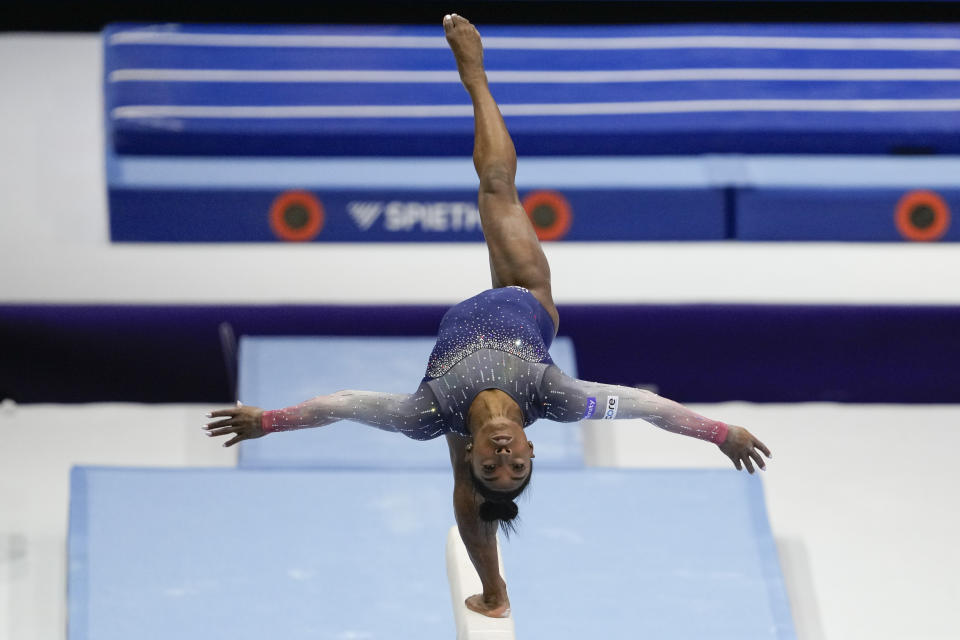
(516, 257)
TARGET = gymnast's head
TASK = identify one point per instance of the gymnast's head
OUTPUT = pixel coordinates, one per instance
(501, 463)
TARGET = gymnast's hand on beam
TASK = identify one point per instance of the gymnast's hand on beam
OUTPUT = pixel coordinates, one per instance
(495, 605)
(740, 446)
(243, 422)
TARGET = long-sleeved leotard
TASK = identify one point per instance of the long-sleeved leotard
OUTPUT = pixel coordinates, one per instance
(568, 400)
(496, 340)
(549, 394)
(415, 415)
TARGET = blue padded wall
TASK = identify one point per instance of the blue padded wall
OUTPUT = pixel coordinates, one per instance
(668, 89)
(195, 113)
(214, 215)
(842, 214)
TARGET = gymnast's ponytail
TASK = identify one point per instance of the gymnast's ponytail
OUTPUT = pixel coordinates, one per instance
(502, 511)
(499, 506)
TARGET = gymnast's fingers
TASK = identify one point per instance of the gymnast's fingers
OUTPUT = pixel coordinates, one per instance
(762, 447)
(758, 459)
(222, 423)
(222, 431)
(736, 462)
(749, 465)
(222, 413)
(234, 440)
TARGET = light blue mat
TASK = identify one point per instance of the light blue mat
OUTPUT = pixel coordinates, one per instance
(630, 554)
(199, 554)
(283, 371)
(204, 554)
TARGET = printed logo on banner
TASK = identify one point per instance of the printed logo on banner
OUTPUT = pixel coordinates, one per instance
(364, 213)
(409, 216)
(922, 216)
(296, 216)
(612, 403)
(549, 213)
(591, 408)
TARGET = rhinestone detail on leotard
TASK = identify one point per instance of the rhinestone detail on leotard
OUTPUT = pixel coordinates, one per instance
(485, 322)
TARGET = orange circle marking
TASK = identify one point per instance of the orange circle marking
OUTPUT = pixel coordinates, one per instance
(303, 200)
(563, 215)
(915, 200)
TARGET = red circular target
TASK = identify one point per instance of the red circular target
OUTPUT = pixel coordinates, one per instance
(296, 216)
(922, 216)
(550, 214)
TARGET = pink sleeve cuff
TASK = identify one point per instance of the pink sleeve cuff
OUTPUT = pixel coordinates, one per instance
(719, 435)
(266, 421)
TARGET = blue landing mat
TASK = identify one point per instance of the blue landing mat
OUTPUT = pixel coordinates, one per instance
(198, 554)
(283, 371)
(671, 555)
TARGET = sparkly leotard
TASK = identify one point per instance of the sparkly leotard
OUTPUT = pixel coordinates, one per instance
(498, 339)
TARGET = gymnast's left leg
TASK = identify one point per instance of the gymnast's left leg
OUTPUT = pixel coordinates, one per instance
(516, 257)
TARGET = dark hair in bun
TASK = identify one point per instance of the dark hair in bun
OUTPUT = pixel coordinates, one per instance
(503, 511)
(499, 506)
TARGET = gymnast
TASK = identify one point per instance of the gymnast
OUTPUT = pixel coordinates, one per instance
(490, 374)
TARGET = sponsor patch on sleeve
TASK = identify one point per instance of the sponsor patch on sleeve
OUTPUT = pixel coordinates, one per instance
(613, 402)
(591, 408)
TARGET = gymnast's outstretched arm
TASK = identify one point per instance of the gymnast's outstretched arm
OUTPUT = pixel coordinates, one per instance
(479, 537)
(567, 399)
(415, 415)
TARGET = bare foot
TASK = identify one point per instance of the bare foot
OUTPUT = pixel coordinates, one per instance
(464, 41)
(494, 607)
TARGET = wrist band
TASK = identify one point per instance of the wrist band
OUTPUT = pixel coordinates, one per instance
(719, 435)
(266, 422)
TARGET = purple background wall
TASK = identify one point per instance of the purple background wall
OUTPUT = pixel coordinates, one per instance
(693, 353)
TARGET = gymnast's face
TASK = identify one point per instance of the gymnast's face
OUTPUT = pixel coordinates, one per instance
(501, 454)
